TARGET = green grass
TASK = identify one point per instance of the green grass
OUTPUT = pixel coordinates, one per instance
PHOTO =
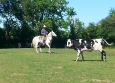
(26, 66)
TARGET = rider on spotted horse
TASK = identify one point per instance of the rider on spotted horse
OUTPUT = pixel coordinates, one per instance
(44, 33)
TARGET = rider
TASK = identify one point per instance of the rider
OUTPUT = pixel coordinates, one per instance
(44, 32)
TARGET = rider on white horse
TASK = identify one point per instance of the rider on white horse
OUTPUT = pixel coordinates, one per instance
(38, 39)
(44, 33)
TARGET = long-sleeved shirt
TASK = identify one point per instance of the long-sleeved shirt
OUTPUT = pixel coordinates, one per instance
(44, 32)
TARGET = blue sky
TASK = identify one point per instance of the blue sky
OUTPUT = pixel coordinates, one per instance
(91, 10)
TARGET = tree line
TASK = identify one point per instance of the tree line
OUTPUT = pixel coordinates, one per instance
(23, 19)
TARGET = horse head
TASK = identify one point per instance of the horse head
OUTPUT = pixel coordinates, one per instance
(52, 33)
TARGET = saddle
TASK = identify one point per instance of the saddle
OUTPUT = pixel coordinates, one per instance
(42, 37)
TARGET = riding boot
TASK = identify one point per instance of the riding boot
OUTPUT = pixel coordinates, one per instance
(43, 42)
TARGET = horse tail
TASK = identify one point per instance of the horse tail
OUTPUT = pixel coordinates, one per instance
(33, 42)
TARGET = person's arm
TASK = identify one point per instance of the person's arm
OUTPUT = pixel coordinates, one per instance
(42, 31)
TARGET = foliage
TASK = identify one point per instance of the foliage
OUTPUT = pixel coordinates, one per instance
(30, 15)
(108, 28)
(112, 12)
(23, 20)
(92, 31)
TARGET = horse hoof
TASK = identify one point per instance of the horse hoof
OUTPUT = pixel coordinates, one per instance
(49, 52)
(40, 51)
(37, 52)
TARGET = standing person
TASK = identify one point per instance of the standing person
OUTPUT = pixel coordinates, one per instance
(44, 33)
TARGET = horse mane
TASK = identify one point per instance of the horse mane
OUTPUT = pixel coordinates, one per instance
(49, 33)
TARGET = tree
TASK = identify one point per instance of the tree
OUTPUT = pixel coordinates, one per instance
(71, 22)
(112, 12)
(91, 31)
(35, 13)
(30, 15)
(108, 28)
(2, 37)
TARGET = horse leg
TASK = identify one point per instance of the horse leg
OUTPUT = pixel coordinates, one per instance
(36, 50)
(40, 50)
(49, 47)
(36, 46)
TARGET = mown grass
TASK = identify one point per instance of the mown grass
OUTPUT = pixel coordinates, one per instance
(26, 66)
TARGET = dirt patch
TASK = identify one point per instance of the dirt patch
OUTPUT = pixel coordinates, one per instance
(17, 74)
(58, 67)
(98, 80)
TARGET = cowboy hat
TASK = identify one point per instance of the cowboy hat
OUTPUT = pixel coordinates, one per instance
(44, 26)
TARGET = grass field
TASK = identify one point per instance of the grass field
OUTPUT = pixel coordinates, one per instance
(24, 65)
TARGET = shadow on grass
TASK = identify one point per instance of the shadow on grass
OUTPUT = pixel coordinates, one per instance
(87, 60)
(49, 53)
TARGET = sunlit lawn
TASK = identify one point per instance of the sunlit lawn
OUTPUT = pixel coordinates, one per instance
(24, 65)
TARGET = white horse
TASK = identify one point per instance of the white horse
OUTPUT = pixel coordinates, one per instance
(38, 40)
